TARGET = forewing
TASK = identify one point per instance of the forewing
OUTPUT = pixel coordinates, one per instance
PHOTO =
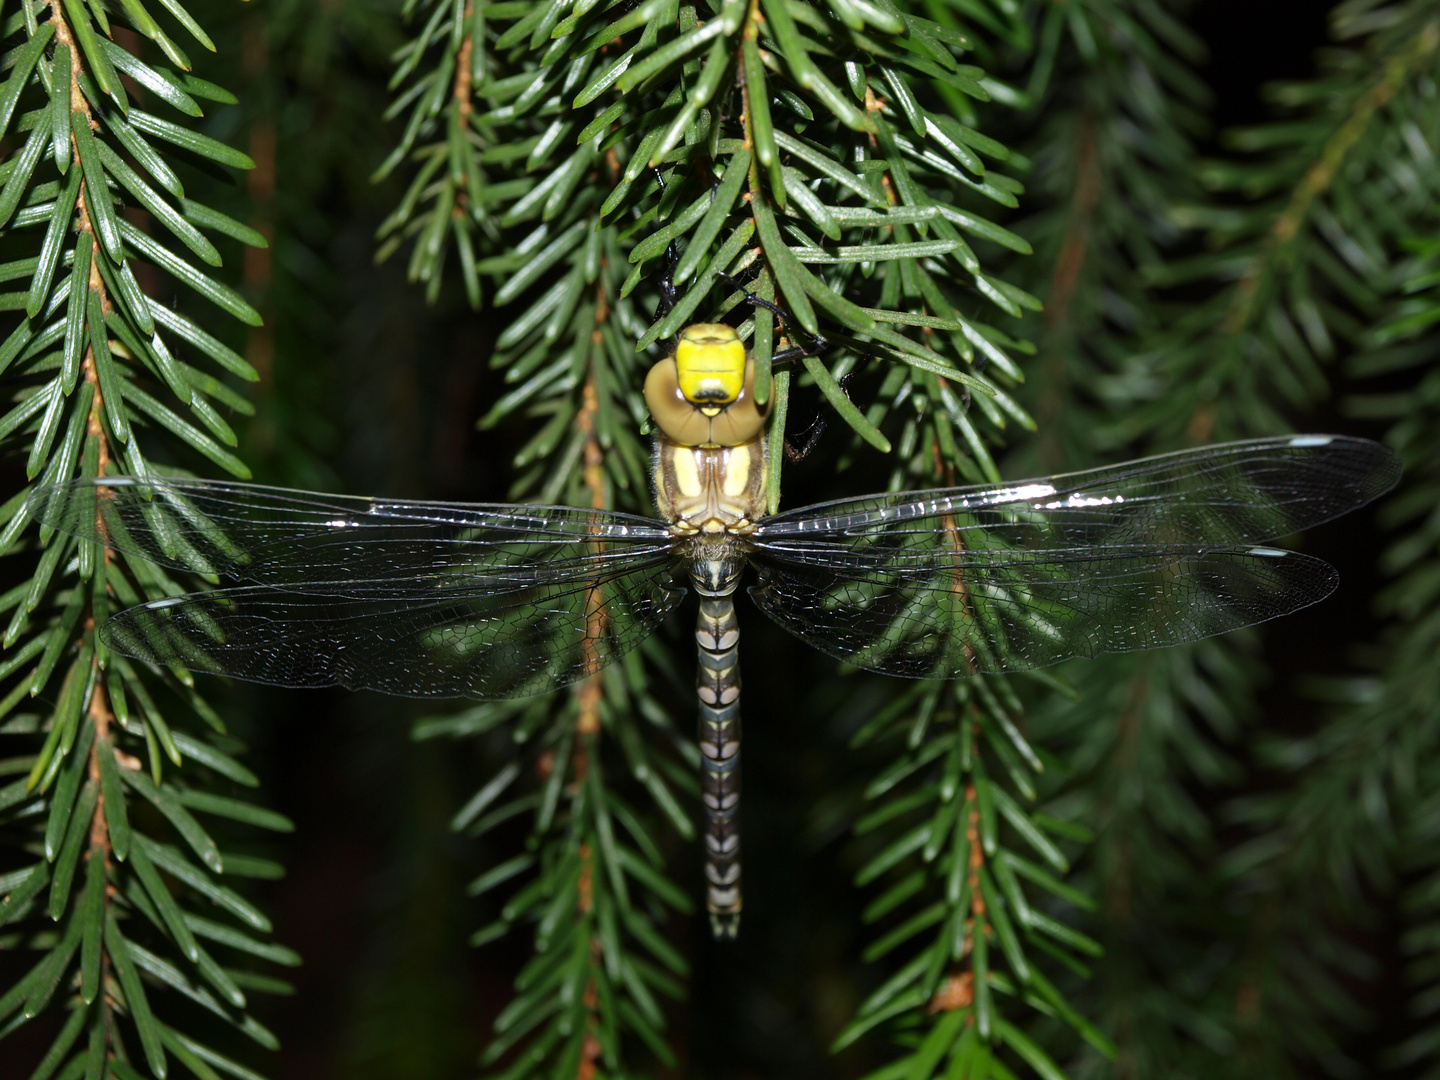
(929, 615)
(1008, 577)
(454, 643)
(343, 545)
(1228, 495)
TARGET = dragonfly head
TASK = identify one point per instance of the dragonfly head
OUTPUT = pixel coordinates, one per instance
(704, 395)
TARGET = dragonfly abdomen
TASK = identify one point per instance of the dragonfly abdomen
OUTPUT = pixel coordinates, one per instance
(717, 684)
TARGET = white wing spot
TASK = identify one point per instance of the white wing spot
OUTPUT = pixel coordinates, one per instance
(1028, 492)
(1268, 553)
(1085, 500)
(1311, 440)
(169, 601)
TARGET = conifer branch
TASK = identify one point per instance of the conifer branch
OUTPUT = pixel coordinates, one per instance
(1117, 107)
(85, 362)
(1302, 260)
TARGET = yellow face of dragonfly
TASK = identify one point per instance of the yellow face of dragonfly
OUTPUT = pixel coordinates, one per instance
(704, 395)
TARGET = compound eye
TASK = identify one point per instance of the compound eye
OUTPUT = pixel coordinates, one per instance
(678, 418)
(742, 420)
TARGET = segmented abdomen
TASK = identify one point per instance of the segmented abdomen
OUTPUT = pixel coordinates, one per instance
(717, 683)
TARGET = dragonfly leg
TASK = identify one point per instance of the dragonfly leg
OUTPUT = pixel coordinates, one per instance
(667, 299)
(717, 683)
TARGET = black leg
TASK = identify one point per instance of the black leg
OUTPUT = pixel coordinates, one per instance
(667, 281)
(666, 304)
(799, 448)
(815, 343)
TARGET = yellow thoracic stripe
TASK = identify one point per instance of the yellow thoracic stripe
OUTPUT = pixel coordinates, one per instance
(687, 474)
(737, 472)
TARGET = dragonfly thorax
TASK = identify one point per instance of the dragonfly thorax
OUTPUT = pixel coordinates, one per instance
(710, 490)
(712, 496)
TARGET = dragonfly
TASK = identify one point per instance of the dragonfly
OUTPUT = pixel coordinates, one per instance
(489, 601)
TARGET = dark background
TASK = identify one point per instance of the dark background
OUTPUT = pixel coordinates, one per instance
(379, 396)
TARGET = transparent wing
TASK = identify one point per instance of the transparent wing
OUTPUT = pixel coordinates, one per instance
(333, 544)
(1010, 611)
(1006, 577)
(1232, 494)
(475, 643)
(412, 598)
